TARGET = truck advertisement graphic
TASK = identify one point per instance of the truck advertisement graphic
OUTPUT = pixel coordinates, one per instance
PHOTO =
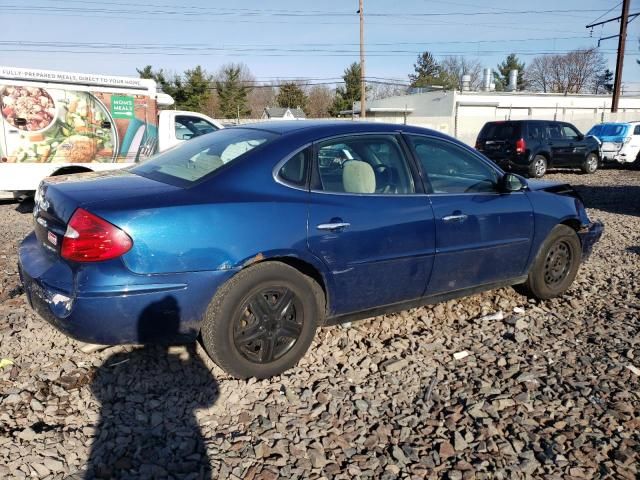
(61, 125)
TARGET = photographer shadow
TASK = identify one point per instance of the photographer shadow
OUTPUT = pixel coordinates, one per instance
(148, 427)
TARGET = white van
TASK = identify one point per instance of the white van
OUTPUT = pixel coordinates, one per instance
(56, 123)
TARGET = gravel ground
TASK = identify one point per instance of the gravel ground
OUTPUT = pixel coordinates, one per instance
(546, 390)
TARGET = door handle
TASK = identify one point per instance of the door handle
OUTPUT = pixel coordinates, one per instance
(332, 227)
(455, 218)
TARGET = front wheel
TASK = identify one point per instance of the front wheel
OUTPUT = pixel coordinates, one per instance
(590, 164)
(263, 320)
(538, 167)
(556, 265)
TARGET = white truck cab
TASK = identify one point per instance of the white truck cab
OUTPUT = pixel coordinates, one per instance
(56, 123)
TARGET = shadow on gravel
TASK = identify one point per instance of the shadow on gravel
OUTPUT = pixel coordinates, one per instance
(623, 199)
(26, 206)
(148, 427)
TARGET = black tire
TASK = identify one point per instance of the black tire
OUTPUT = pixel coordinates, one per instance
(555, 266)
(590, 163)
(538, 166)
(262, 345)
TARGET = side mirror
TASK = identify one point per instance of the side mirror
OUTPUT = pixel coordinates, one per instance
(512, 183)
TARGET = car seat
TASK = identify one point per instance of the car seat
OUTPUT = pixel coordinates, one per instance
(358, 177)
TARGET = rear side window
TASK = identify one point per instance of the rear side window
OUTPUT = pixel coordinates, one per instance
(553, 131)
(636, 130)
(364, 164)
(191, 161)
(501, 131)
(536, 131)
(294, 170)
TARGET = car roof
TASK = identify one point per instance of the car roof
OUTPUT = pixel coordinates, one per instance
(335, 127)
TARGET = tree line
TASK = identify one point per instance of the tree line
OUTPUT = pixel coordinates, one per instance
(233, 91)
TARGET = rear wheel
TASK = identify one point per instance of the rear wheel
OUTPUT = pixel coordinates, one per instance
(590, 164)
(262, 321)
(538, 167)
(556, 265)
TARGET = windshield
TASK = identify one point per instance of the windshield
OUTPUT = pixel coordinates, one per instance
(193, 160)
(501, 131)
(609, 130)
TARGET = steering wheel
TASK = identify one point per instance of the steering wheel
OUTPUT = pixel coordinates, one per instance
(388, 177)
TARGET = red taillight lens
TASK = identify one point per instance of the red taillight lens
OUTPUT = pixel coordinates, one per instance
(91, 239)
(521, 145)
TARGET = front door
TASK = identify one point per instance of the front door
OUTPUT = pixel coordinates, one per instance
(368, 223)
(558, 145)
(483, 236)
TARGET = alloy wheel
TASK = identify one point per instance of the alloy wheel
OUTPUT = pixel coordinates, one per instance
(540, 167)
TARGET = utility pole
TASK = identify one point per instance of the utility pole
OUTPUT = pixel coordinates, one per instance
(622, 37)
(363, 93)
(620, 60)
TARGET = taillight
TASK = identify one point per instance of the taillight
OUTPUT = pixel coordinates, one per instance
(89, 238)
(521, 145)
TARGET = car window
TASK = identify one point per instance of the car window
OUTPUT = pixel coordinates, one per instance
(452, 169)
(536, 131)
(193, 160)
(501, 131)
(636, 130)
(569, 132)
(553, 131)
(373, 164)
(188, 127)
(294, 170)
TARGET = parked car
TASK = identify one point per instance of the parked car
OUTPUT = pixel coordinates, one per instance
(252, 237)
(534, 146)
(620, 142)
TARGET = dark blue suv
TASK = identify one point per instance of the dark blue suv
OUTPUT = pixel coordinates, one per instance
(252, 237)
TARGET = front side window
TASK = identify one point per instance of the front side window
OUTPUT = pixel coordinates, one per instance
(192, 161)
(554, 132)
(188, 127)
(451, 169)
(373, 164)
(636, 130)
(569, 133)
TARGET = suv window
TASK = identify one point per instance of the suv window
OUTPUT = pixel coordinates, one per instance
(569, 132)
(373, 164)
(188, 127)
(501, 130)
(536, 131)
(553, 131)
(636, 130)
(452, 169)
(294, 171)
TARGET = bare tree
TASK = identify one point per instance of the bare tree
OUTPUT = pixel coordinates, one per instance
(320, 98)
(261, 96)
(453, 68)
(377, 91)
(575, 72)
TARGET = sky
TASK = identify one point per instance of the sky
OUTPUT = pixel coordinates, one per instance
(286, 39)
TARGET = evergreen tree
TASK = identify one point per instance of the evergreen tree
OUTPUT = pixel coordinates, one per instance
(232, 92)
(427, 71)
(197, 89)
(349, 93)
(291, 95)
(604, 82)
(501, 75)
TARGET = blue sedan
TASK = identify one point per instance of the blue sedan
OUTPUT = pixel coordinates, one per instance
(250, 238)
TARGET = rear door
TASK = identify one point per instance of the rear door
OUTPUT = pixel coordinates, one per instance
(483, 236)
(369, 222)
(558, 144)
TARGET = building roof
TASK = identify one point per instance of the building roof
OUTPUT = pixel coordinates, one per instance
(279, 112)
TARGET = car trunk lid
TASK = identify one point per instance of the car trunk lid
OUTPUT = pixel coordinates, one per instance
(57, 199)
